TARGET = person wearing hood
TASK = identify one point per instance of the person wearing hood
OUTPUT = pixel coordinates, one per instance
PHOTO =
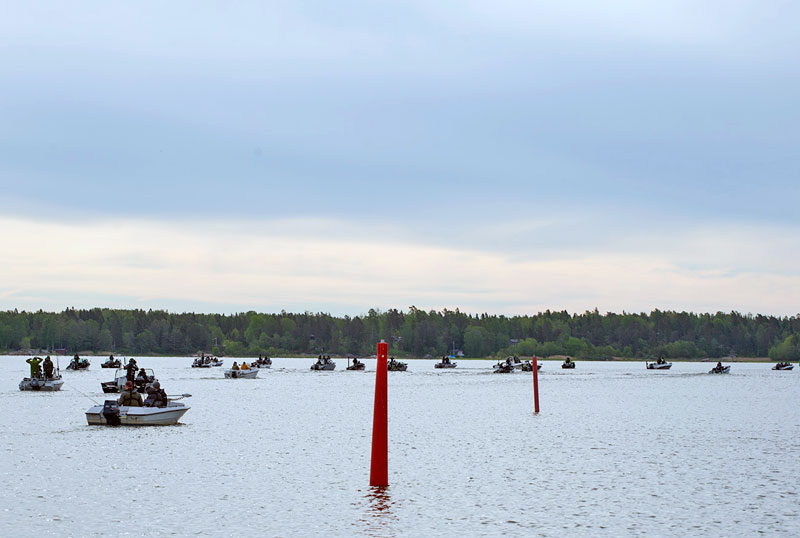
(48, 367)
(36, 370)
(129, 396)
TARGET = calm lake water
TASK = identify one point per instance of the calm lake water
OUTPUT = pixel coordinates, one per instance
(616, 451)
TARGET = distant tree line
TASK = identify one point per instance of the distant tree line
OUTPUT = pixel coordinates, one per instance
(414, 332)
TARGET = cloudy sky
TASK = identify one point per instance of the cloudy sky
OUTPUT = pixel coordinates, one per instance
(504, 156)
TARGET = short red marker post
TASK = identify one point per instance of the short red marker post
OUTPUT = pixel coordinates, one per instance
(535, 386)
(379, 468)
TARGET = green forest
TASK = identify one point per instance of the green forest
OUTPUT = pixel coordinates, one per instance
(411, 333)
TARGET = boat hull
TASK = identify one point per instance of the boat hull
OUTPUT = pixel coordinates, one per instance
(241, 374)
(654, 366)
(41, 385)
(723, 370)
(787, 367)
(140, 416)
(444, 365)
(327, 367)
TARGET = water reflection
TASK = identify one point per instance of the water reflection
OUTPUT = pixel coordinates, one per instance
(379, 515)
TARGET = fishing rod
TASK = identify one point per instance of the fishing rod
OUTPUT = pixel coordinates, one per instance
(79, 391)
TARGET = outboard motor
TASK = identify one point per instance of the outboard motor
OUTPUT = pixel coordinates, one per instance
(111, 412)
(36, 384)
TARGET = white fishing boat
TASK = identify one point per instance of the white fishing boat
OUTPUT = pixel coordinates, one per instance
(252, 373)
(41, 383)
(121, 377)
(527, 366)
(658, 366)
(112, 414)
(783, 366)
(323, 364)
(447, 362)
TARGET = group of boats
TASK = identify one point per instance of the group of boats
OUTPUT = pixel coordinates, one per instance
(162, 411)
(513, 363)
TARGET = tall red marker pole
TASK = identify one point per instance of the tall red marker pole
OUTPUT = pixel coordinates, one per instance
(535, 385)
(379, 469)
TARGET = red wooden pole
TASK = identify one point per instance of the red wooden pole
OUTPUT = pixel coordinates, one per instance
(379, 469)
(535, 385)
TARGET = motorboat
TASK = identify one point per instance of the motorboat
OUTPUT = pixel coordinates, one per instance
(323, 364)
(568, 364)
(78, 364)
(447, 362)
(527, 366)
(250, 373)
(266, 362)
(357, 365)
(113, 414)
(396, 366)
(41, 383)
(111, 362)
(504, 367)
(121, 377)
(720, 369)
(206, 361)
(783, 366)
(658, 365)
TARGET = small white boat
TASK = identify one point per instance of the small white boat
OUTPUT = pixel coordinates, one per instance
(121, 377)
(447, 362)
(527, 366)
(252, 373)
(783, 366)
(41, 384)
(261, 363)
(718, 370)
(326, 365)
(657, 366)
(113, 414)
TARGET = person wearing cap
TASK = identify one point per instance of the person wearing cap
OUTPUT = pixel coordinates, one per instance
(129, 396)
(131, 369)
(156, 396)
(48, 367)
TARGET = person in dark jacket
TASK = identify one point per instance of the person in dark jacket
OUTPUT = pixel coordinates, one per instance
(48, 367)
(156, 396)
(131, 369)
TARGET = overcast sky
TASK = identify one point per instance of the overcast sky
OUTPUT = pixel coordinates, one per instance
(503, 156)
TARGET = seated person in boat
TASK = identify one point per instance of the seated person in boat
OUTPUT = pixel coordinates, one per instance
(245, 366)
(235, 366)
(35, 368)
(129, 396)
(156, 396)
(48, 367)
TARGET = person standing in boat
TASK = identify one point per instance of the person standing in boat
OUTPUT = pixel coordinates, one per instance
(35, 368)
(131, 369)
(48, 367)
(129, 396)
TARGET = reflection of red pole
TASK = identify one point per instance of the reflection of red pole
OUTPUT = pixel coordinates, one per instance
(535, 385)
(379, 470)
